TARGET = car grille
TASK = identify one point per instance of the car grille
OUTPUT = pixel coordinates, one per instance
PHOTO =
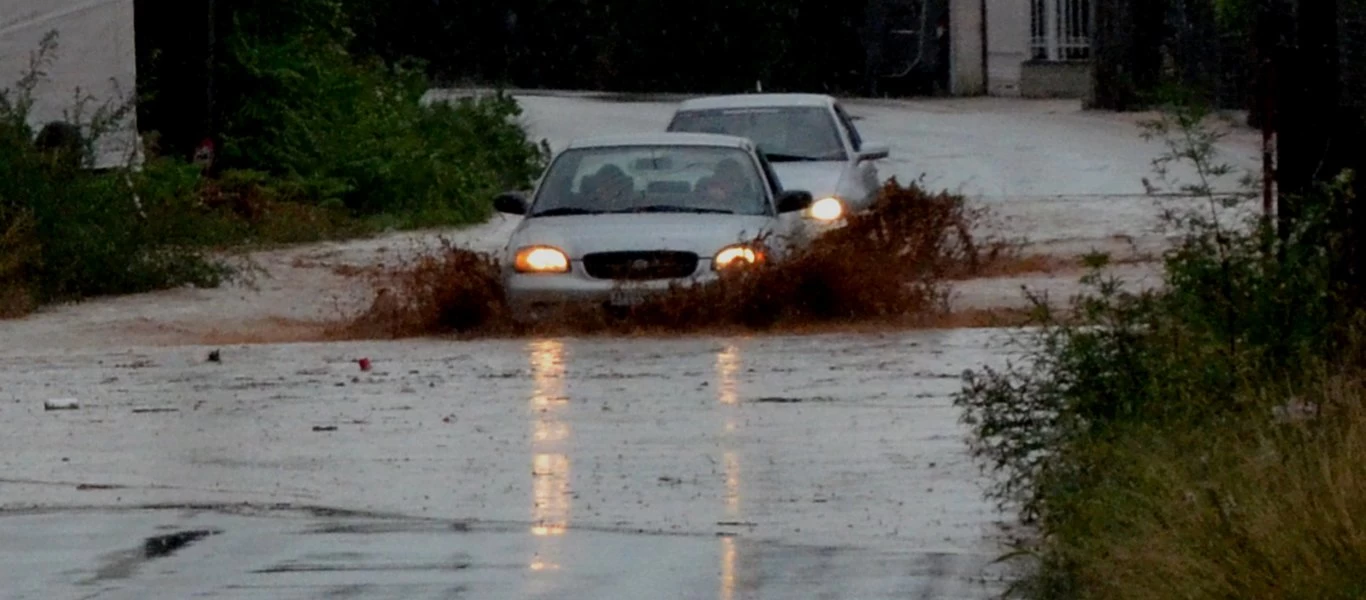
(638, 266)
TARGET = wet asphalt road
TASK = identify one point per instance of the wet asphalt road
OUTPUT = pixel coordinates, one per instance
(139, 555)
(782, 467)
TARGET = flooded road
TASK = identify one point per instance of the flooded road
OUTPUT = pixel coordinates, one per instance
(821, 466)
(1064, 180)
(298, 555)
(824, 466)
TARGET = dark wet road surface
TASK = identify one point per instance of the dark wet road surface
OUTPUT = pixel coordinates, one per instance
(811, 467)
(295, 554)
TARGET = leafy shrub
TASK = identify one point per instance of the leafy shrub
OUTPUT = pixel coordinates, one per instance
(356, 132)
(1119, 398)
(68, 232)
(314, 139)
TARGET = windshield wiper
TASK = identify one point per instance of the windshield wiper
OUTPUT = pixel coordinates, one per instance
(667, 208)
(778, 157)
(566, 211)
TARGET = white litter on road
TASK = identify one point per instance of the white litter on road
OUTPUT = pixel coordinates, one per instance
(62, 404)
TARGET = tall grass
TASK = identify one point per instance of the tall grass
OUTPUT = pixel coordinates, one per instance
(1137, 439)
(1252, 510)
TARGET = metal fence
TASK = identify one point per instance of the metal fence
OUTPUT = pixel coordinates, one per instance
(1060, 30)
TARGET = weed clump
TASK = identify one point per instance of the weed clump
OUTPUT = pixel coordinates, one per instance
(891, 263)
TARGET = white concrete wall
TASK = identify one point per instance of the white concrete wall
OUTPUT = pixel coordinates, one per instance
(967, 76)
(96, 54)
(1007, 45)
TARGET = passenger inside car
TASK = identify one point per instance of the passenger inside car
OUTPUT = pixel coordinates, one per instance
(726, 185)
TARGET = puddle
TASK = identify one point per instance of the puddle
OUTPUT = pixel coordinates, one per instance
(789, 400)
(352, 568)
(166, 545)
(123, 565)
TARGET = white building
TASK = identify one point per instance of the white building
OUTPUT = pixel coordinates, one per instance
(1031, 48)
(95, 55)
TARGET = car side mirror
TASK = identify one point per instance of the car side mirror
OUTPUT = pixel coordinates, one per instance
(793, 201)
(512, 203)
(874, 152)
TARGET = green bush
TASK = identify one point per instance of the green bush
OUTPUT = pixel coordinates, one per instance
(1086, 432)
(68, 232)
(355, 133)
(317, 144)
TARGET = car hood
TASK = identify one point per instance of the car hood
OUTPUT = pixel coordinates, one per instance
(585, 234)
(820, 178)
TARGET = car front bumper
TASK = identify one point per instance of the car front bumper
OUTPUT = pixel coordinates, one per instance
(528, 294)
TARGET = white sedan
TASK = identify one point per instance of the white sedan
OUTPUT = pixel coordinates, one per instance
(810, 139)
(614, 219)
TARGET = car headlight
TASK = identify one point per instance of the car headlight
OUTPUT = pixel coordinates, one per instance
(826, 209)
(541, 259)
(737, 256)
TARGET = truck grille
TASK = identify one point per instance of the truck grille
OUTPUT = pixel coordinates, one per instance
(639, 266)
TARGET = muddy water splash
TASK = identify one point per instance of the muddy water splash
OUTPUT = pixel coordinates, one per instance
(889, 265)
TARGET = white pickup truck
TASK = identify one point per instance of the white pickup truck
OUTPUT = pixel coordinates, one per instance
(95, 54)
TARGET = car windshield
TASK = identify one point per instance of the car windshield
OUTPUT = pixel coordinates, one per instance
(631, 179)
(783, 133)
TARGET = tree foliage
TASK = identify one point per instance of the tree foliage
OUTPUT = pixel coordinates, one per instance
(293, 97)
(624, 45)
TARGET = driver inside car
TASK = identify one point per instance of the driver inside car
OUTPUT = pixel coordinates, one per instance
(609, 188)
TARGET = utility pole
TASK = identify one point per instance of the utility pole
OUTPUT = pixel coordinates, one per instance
(1308, 108)
(1268, 44)
(210, 66)
(205, 153)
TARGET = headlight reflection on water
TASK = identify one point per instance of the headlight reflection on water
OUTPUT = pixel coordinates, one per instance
(550, 463)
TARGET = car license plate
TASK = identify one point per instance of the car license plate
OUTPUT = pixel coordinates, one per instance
(626, 297)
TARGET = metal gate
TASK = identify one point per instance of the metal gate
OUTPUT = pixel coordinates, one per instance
(1060, 30)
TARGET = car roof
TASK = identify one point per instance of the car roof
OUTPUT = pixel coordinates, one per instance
(757, 101)
(664, 139)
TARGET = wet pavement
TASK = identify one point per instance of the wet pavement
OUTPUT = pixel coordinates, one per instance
(300, 555)
(828, 466)
(819, 466)
(1067, 181)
